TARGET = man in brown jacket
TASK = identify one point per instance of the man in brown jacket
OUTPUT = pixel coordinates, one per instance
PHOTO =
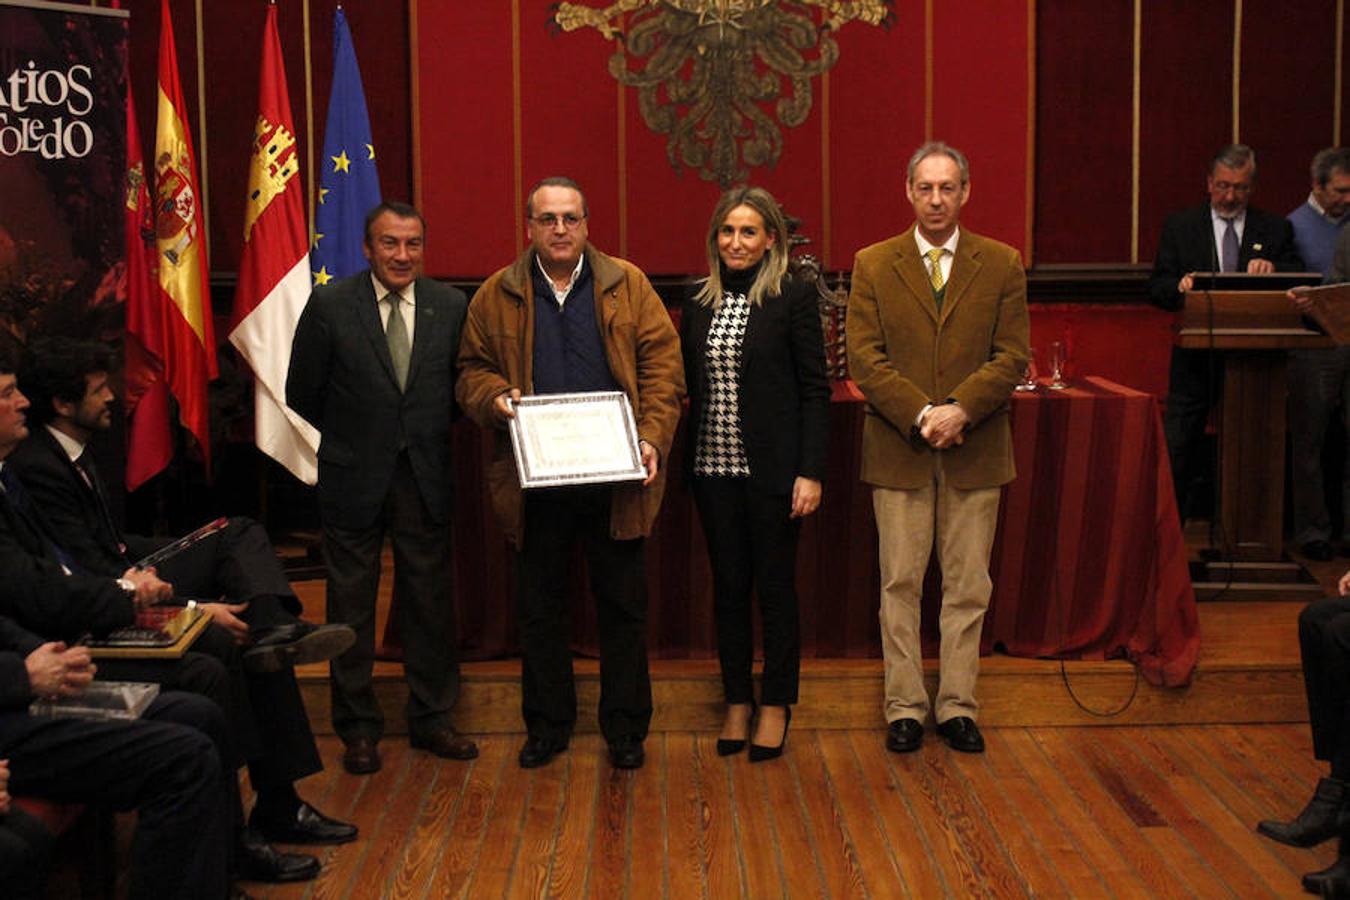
(937, 339)
(564, 318)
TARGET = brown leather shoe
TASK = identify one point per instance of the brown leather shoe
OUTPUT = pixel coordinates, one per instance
(444, 742)
(361, 757)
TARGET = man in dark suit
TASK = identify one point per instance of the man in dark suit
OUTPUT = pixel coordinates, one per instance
(163, 765)
(937, 339)
(372, 367)
(1223, 235)
(45, 592)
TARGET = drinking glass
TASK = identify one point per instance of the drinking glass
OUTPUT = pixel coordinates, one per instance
(1028, 382)
(1057, 360)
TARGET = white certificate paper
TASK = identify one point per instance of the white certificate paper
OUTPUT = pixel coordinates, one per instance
(562, 439)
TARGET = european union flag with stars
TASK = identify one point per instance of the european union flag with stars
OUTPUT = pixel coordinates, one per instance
(349, 186)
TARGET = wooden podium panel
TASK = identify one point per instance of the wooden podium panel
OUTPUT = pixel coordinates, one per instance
(1255, 327)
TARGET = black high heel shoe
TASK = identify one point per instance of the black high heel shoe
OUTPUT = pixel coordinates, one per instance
(760, 753)
(727, 747)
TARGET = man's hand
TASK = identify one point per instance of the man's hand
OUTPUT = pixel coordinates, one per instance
(1186, 283)
(4, 786)
(1260, 267)
(55, 670)
(1302, 299)
(1344, 586)
(651, 461)
(226, 615)
(805, 497)
(502, 405)
(149, 588)
(944, 426)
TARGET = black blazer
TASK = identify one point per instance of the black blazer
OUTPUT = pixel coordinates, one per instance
(341, 379)
(784, 393)
(1187, 245)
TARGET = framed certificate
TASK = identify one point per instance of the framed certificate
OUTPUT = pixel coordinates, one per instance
(562, 439)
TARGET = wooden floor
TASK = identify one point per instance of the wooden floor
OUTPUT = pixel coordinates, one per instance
(1154, 811)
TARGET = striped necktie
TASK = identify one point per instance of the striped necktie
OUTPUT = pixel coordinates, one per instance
(935, 269)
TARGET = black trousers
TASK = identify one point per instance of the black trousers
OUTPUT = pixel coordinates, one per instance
(239, 563)
(25, 852)
(1195, 383)
(423, 607)
(164, 766)
(1324, 644)
(752, 547)
(555, 519)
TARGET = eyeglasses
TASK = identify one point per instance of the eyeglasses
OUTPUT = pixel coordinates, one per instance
(1239, 187)
(550, 221)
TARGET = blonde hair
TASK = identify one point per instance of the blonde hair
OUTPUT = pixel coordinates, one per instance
(768, 282)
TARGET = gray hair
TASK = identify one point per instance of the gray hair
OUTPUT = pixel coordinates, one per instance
(1329, 161)
(1234, 156)
(938, 148)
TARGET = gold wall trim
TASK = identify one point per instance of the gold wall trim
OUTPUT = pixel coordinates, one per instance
(927, 70)
(1237, 69)
(516, 158)
(1135, 101)
(309, 120)
(205, 179)
(622, 146)
(1339, 70)
(415, 94)
(826, 223)
(1030, 203)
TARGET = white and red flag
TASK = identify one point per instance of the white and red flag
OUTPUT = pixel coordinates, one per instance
(274, 277)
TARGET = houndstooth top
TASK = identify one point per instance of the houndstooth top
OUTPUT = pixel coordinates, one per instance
(720, 450)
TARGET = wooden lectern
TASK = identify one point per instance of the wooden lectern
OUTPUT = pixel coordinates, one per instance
(1255, 328)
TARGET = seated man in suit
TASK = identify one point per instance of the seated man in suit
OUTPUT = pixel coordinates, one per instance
(1324, 647)
(69, 391)
(43, 591)
(1223, 235)
(164, 765)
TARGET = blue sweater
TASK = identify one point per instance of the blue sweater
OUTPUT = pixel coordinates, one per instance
(569, 355)
(1315, 237)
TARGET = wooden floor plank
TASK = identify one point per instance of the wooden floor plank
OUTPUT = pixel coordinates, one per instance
(472, 813)
(796, 854)
(839, 860)
(495, 866)
(611, 846)
(754, 832)
(576, 826)
(686, 814)
(878, 851)
(539, 834)
(402, 807)
(426, 838)
(648, 873)
(726, 873)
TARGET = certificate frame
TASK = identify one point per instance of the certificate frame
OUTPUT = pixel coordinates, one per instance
(572, 439)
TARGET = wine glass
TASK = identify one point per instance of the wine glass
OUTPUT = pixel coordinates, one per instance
(1057, 360)
(1028, 382)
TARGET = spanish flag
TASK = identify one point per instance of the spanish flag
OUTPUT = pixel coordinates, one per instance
(189, 339)
(274, 269)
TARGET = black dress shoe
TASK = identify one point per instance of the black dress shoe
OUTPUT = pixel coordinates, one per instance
(904, 735)
(961, 733)
(539, 750)
(257, 860)
(1334, 880)
(362, 756)
(445, 743)
(627, 753)
(761, 753)
(1325, 816)
(1318, 550)
(304, 826)
(732, 746)
(274, 649)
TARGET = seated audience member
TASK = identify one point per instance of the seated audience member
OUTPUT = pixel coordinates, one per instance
(1324, 645)
(268, 723)
(70, 394)
(164, 766)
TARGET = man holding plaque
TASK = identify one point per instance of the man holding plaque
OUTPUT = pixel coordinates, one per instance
(937, 339)
(372, 367)
(566, 318)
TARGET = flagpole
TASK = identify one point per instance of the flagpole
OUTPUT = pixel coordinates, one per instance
(309, 122)
(201, 128)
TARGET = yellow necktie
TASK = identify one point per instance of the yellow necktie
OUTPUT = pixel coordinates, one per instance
(935, 269)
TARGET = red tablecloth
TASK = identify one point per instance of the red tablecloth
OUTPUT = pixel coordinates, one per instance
(1089, 562)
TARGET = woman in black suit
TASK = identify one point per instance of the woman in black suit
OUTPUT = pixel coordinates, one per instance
(760, 403)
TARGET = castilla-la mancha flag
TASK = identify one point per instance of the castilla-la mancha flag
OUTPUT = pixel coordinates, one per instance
(189, 337)
(274, 269)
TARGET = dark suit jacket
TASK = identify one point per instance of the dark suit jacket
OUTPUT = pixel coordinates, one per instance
(1187, 245)
(341, 380)
(784, 395)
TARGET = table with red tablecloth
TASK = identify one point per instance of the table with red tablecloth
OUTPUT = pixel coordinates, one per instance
(1089, 561)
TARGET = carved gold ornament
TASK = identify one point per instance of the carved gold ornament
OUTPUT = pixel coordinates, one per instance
(720, 76)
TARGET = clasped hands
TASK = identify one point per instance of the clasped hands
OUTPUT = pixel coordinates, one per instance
(944, 426)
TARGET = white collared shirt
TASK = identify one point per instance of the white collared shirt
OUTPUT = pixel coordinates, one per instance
(945, 260)
(406, 306)
(561, 295)
(1220, 226)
